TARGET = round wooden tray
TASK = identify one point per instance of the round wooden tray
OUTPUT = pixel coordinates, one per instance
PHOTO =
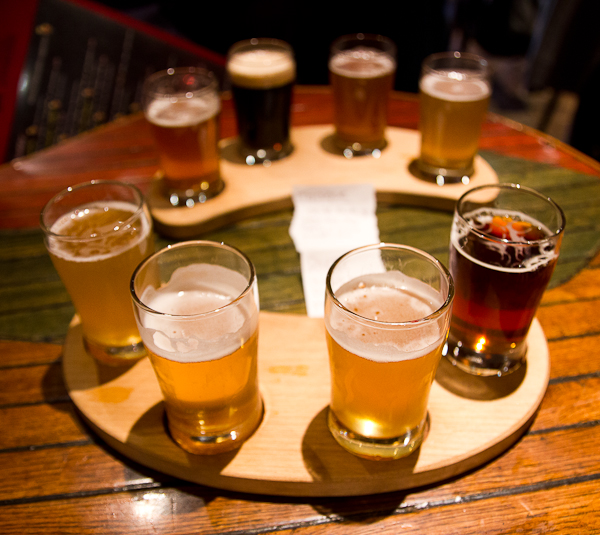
(472, 419)
(254, 190)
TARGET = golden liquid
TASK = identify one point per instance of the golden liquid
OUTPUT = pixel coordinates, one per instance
(96, 272)
(211, 398)
(383, 398)
(380, 399)
(361, 89)
(450, 126)
(187, 134)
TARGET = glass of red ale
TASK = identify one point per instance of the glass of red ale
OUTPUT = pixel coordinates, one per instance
(182, 107)
(504, 245)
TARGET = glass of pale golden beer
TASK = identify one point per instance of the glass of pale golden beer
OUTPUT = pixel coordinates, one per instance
(362, 68)
(504, 244)
(262, 73)
(183, 107)
(96, 234)
(196, 304)
(454, 92)
(387, 311)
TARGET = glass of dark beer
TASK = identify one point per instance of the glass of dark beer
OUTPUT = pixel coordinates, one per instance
(361, 70)
(262, 73)
(183, 107)
(504, 244)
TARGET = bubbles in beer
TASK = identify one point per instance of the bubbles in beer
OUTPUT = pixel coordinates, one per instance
(390, 298)
(99, 231)
(511, 250)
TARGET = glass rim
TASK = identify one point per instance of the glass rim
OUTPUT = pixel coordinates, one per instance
(512, 187)
(182, 245)
(260, 42)
(394, 246)
(211, 86)
(77, 187)
(372, 37)
(456, 55)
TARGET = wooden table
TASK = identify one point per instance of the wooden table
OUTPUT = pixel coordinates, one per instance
(56, 476)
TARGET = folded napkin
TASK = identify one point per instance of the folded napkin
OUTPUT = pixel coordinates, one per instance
(329, 221)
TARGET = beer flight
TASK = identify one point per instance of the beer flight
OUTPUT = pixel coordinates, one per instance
(391, 311)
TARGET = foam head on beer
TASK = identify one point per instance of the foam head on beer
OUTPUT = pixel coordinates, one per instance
(198, 291)
(392, 298)
(261, 68)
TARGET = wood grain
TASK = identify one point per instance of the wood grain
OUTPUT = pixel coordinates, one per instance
(472, 419)
(57, 476)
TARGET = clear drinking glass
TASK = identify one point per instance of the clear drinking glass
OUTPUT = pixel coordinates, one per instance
(387, 311)
(196, 304)
(183, 107)
(454, 92)
(504, 244)
(262, 73)
(362, 68)
(96, 234)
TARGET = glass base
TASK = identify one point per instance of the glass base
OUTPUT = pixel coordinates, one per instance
(115, 356)
(377, 449)
(266, 155)
(215, 444)
(483, 364)
(440, 175)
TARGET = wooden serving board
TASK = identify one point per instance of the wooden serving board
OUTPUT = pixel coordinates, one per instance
(292, 453)
(253, 190)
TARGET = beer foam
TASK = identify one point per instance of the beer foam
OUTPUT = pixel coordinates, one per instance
(481, 217)
(388, 298)
(91, 247)
(183, 112)
(196, 325)
(362, 62)
(261, 68)
(455, 89)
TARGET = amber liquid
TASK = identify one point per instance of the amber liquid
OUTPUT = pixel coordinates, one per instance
(383, 396)
(450, 124)
(214, 405)
(380, 399)
(97, 271)
(361, 88)
(187, 136)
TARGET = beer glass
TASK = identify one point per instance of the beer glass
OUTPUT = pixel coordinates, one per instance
(504, 244)
(454, 92)
(387, 310)
(183, 107)
(196, 304)
(362, 68)
(96, 234)
(262, 73)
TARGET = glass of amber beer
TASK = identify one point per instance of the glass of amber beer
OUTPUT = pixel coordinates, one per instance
(387, 311)
(504, 244)
(183, 107)
(454, 92)
(96, 234)
(262, 73)
(361, 71)
(196, 304)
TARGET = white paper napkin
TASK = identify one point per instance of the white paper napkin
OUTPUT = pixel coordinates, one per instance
(329, 221)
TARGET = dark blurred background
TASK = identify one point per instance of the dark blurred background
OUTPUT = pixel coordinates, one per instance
(544, 54)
